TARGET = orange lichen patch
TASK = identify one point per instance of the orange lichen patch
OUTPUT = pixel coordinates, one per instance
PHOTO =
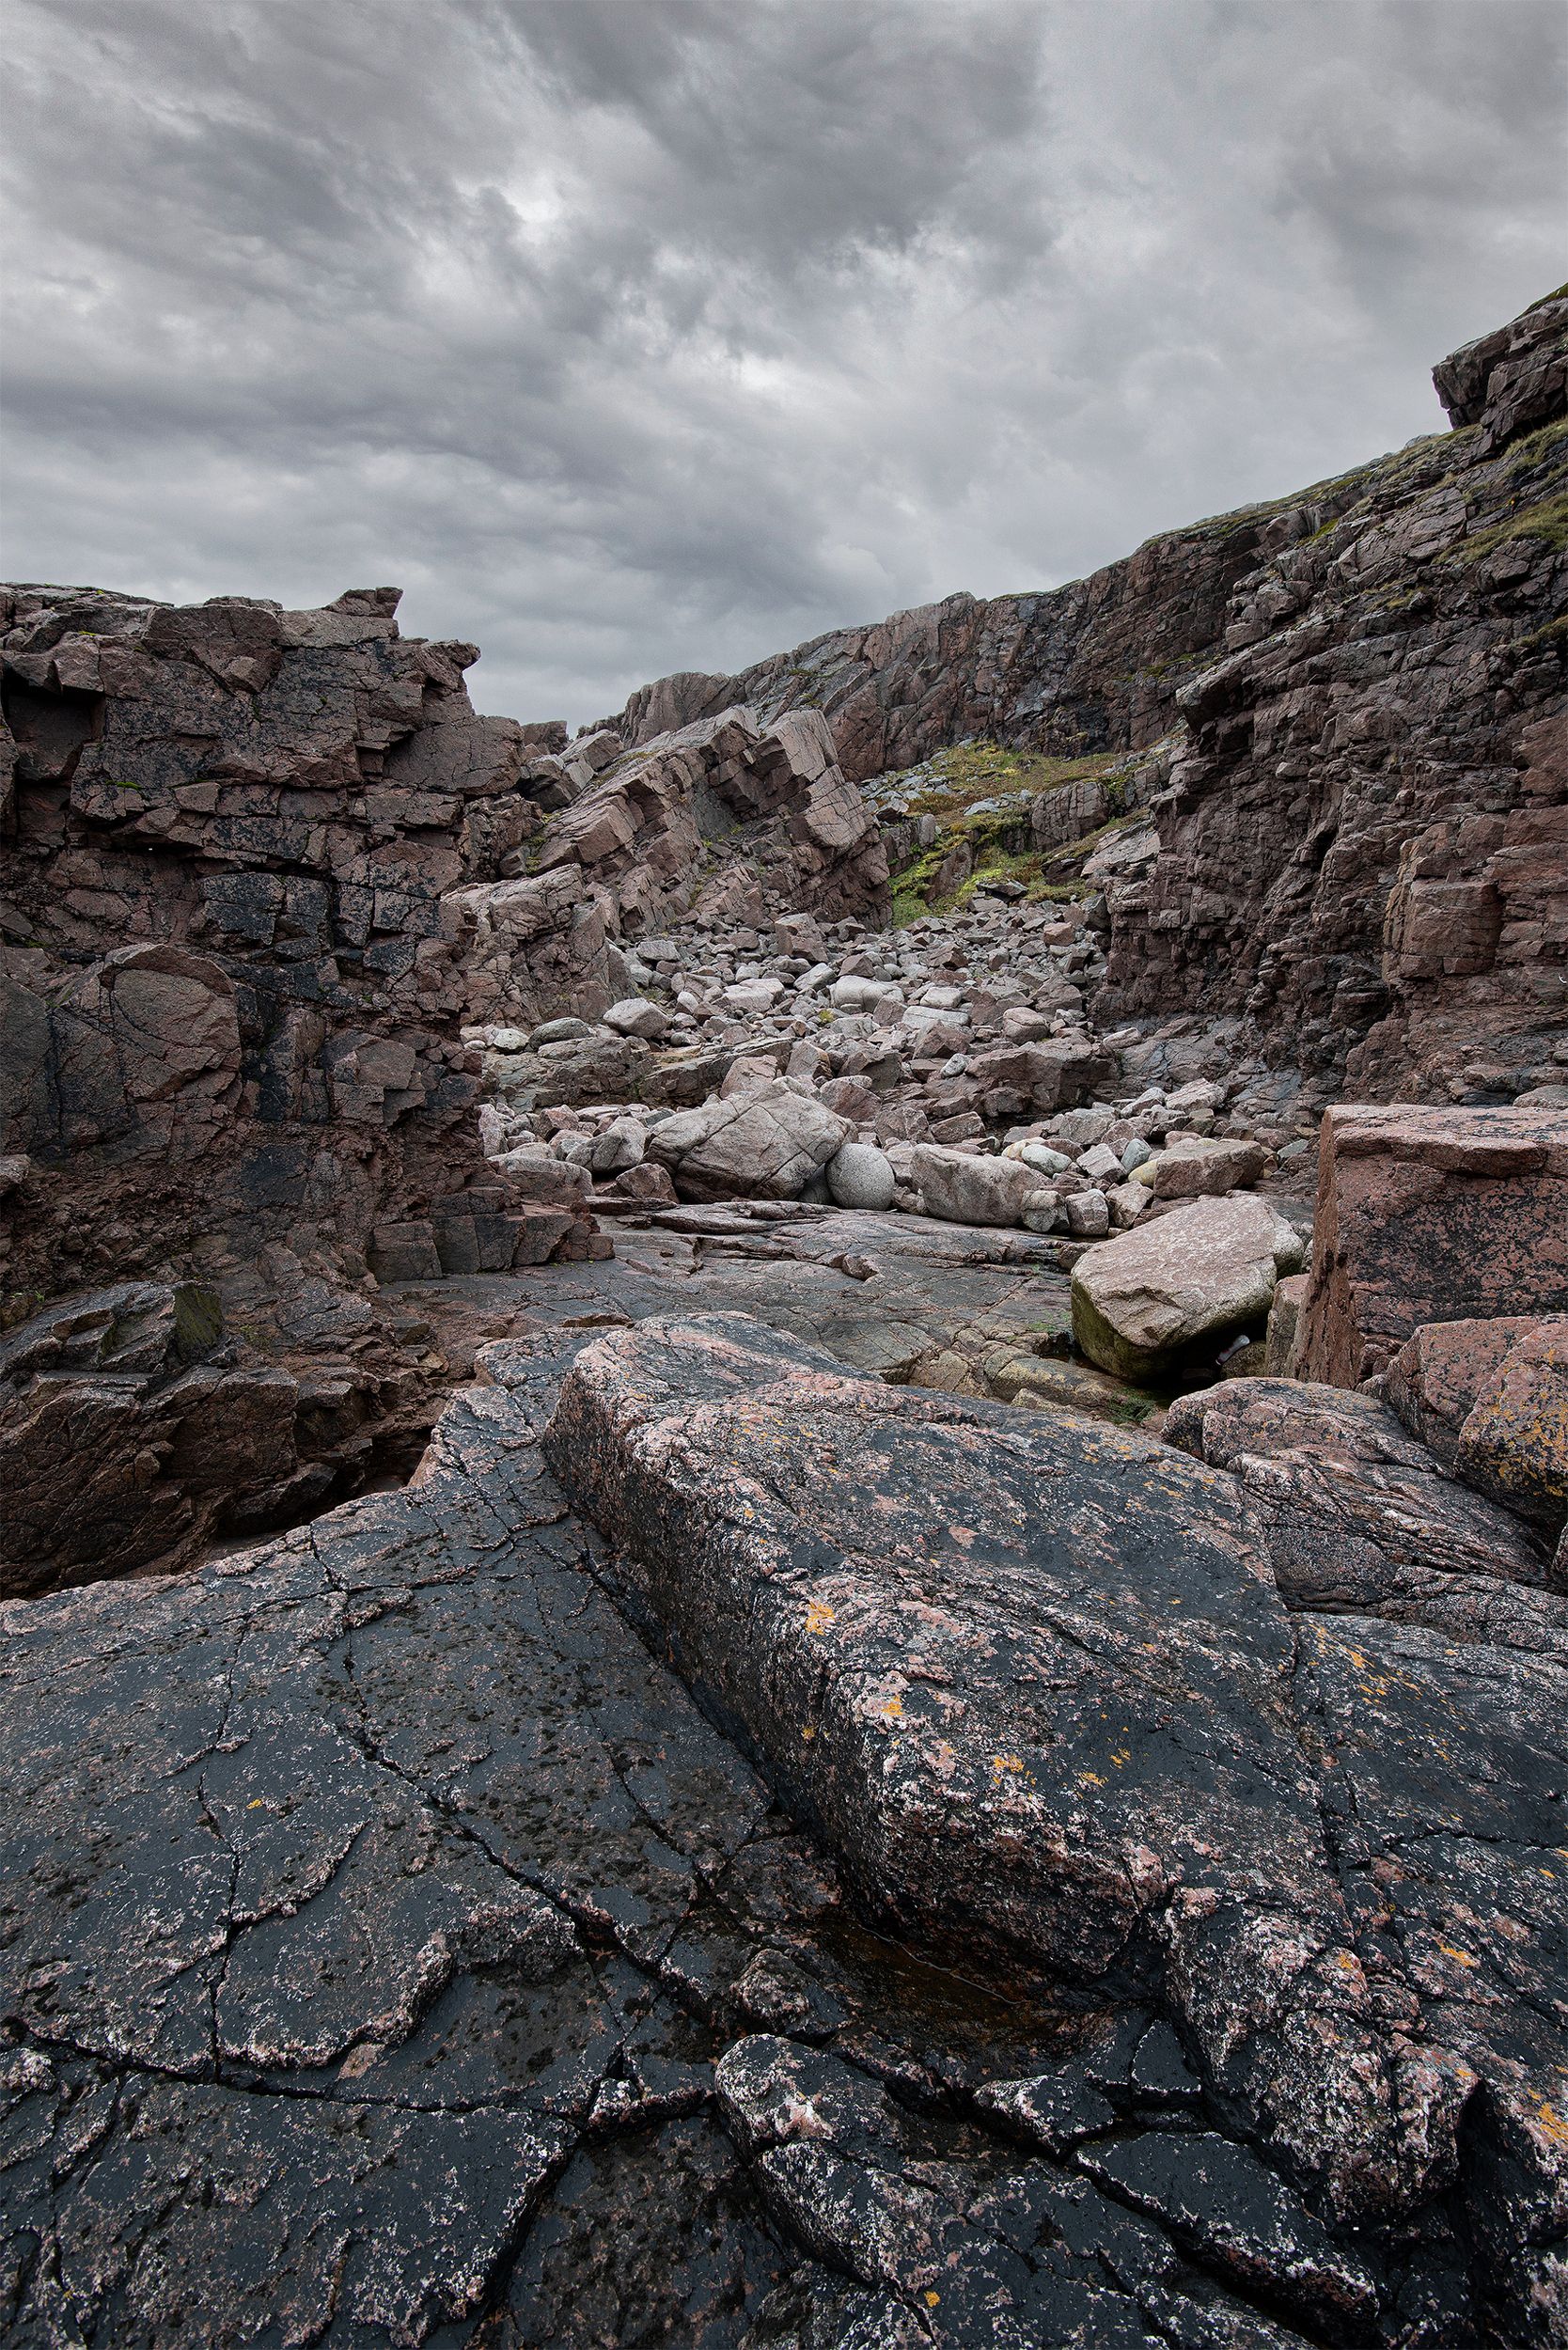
(819, 1614)
(1553, 2124)
(1452, 1949)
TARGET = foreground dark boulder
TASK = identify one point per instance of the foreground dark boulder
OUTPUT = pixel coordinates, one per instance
(1039, 1688)
(391, 1952)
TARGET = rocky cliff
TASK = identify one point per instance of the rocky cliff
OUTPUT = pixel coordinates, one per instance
(1360, 694)
(1364, 841)
(261, 867)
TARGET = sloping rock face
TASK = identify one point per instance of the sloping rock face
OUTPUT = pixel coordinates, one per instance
(731, 816)
(1041, 1689)
(392, 1951)
(1093, 666)
(1365, 840)
(124, 1427)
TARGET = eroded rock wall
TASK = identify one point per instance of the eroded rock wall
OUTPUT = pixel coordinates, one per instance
(230, 1011)
(262, 868)
(1364, 843)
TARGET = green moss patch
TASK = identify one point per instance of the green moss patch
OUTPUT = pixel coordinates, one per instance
(1546, 521)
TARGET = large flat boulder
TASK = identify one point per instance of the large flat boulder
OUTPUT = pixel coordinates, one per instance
(1173, 1291)
(1194, 1166)
(1035, 1685)
(1431, 1216)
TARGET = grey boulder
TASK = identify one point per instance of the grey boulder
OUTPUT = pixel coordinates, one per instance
(862, 1176)
(963, 1188)
(766, 1145)
(1176, 1288)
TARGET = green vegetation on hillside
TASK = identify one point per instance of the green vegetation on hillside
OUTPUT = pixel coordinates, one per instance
(981, 796)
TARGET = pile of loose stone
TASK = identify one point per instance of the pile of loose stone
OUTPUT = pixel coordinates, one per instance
(948, 1069)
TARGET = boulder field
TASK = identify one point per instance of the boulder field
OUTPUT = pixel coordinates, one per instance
(784, 1492)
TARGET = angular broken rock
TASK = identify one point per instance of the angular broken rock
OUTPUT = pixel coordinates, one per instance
(1513, 1444)
(1178, 1287)
(1035, 1686)
(1431, 1216)
(1434, 1380)
(1195, 1164)
(765, 1145)
(1354, 1513)
(128, 1431)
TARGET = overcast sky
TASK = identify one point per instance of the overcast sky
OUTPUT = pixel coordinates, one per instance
(629, 336)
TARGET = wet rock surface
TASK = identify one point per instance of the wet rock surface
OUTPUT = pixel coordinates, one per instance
(395, 1951)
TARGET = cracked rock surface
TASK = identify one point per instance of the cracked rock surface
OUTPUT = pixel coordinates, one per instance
(394, 1951)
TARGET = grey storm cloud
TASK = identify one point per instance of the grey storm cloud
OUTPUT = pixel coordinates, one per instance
(638, 334)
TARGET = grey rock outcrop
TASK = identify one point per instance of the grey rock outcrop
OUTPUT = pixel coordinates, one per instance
(1173, 1291)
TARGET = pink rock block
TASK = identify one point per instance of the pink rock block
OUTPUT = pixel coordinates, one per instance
(1431, 1216)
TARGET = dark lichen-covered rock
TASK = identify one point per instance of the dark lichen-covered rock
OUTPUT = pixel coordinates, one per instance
(1036, 1686)
(391, 1952)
